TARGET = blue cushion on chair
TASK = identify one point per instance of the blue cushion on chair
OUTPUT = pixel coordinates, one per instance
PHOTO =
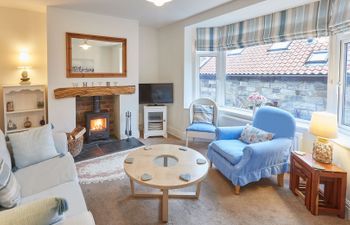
(231, 150)
(201, 127)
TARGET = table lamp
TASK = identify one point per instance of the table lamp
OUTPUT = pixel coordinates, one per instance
(24, 59)
(324, 126)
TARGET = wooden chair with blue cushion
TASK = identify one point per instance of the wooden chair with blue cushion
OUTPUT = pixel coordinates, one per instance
(203, 119)
(243, 162)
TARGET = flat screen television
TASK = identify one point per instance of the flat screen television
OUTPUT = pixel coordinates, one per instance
(156, 93)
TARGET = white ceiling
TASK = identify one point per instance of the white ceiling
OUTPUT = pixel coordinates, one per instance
(147, 13)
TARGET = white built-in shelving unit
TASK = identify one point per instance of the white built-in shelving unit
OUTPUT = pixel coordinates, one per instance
(27, 101)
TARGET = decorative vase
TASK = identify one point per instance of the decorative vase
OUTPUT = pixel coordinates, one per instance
(27, 123)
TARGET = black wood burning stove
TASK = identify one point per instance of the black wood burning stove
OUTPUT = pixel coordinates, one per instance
(97, 122)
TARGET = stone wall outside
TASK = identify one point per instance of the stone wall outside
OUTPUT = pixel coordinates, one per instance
(299, 95)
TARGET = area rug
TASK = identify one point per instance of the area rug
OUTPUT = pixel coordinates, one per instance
(103, 168)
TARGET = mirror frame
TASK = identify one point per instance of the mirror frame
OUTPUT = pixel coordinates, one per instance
(70, 74)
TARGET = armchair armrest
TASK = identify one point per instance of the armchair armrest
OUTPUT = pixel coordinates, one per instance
(61, 143)
(227, 133)
(266, 154)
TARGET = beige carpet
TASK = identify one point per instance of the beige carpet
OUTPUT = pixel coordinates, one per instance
(259, 203)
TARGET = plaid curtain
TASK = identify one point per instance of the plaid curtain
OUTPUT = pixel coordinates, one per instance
(311, 20)
(340, 19)
(208, 39)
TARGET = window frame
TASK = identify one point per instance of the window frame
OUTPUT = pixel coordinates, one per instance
(197, 68)
(221, 76)
(342, 41)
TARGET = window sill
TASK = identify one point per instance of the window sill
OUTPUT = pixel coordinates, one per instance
(343, 140)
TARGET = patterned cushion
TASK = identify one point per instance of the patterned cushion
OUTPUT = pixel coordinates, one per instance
(203, 113)
(40, 212)
(10, 194)
(252, 135)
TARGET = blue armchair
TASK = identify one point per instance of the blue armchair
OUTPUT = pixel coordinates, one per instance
(245, 163)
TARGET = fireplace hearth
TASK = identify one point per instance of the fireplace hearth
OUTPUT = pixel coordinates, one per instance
(97, 122)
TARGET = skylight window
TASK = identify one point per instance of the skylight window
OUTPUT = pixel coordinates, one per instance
(237, 51)
(318, 57)
(280, 46)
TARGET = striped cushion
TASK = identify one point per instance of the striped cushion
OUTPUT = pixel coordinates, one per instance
(40, 212)
(203, 113)
(10, 194)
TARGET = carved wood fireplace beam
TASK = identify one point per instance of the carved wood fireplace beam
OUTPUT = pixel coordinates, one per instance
(93, 91)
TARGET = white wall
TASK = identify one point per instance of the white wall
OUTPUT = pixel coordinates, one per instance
(21, 30)
(59, 21)
(148, 57)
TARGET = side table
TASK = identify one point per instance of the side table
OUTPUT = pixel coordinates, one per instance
(323, 186)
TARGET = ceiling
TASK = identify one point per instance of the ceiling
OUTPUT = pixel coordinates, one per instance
(145, 12)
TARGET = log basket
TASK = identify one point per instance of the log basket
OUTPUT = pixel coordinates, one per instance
(75, 141)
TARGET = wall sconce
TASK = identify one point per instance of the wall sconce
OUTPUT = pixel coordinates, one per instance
(24, 58)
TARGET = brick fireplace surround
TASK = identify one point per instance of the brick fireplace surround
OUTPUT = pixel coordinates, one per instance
(84, 104)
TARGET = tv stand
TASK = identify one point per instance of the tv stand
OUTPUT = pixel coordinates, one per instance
(155, 121)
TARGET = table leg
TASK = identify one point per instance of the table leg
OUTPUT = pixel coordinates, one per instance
(132, 187)
(198, 189)
(341, 196)
(314, 193)
(165, 199)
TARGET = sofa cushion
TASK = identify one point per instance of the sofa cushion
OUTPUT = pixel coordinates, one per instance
(10, 194)
(231, 150)
(33, 146)
(70, 191)
(4, 153)
(203, 113)
(85, 218)
(41, 212)
(47, 174)
(202, 127)
(251, 135)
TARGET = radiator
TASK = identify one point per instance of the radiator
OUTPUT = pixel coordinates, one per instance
(297, 142)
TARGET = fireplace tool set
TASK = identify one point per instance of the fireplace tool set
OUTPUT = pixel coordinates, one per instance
(128, 131)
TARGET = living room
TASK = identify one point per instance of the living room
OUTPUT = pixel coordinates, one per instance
(242, 108)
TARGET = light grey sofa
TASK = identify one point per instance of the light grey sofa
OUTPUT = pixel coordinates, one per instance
(56, 177)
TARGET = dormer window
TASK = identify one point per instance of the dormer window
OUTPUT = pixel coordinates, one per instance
(280, 46)
(237, 51)
(318, 57)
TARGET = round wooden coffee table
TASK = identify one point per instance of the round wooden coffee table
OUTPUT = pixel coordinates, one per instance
(165, 164)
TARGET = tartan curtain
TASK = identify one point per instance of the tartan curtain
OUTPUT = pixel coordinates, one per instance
(311, 20)
(340, 19)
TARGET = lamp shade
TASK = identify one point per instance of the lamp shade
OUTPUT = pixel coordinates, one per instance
(324, 124)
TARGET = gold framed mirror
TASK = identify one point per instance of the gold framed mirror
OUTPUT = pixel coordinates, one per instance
(93, 56)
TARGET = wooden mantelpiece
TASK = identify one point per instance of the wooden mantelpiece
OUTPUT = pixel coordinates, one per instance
(93, 91)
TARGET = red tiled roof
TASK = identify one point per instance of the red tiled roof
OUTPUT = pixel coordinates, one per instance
(257, 60)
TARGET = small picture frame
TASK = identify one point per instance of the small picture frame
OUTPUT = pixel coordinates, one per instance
(10, 106)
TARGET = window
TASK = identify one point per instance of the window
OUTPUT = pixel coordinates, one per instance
(345, 106)
(318, 57)
(237, 51)
(282, 78)
(280, 46)
(207, 76)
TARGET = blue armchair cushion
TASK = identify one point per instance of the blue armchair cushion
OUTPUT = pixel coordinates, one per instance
(231, 150)
(251, 135)
(201, 127)
(203, 113)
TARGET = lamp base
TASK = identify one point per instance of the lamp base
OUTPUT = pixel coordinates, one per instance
(322, 151)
